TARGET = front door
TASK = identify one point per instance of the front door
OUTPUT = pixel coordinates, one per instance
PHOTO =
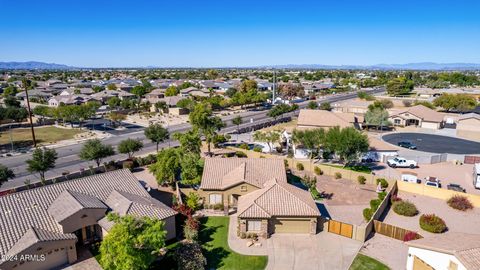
(234, 200)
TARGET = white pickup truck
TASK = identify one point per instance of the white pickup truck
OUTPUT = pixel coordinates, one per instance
(399, 162)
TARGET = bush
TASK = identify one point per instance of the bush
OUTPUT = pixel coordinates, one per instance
(382, 182)
(300, 167)
(317, 170)
(243, 146)
(432, 223)
(218, 206)
(257, 149)
(285, 162)
(240, 154)
(361, 179)
(128, 164)
(243, 235)
(338, 175)
(279, 149)
(374, 204)
(460, 202)
(189, 256)
(394, 198)
(367, 214)
(315, 194)
(382, 195)
(193, 201)
(405, 208)
(409, 236)
(252, 235)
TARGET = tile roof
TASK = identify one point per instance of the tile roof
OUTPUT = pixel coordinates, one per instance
(466, 247)
(323, 118)
(468, 116)
(222, 173)
(277, 199)
(69, 202)
(21, 211)
(426, 114)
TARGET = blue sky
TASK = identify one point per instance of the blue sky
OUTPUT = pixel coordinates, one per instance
(238, 33)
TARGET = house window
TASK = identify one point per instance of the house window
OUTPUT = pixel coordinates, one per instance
(243, 188)
(397, 121)
(254, 225)
(215, 198)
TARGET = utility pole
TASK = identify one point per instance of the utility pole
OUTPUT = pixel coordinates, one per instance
(273, 88)
(26, 83)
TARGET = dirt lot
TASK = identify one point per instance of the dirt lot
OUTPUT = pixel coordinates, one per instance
(447, 173)
(345, 199)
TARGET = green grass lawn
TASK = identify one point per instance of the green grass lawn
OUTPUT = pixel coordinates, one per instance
(363, 262)
(357, 168)
(213, 237)
(22, 137)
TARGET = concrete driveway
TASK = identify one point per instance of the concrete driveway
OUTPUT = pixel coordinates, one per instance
(314, 252)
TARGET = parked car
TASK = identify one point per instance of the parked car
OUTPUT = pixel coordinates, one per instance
(399, 162)
(456, 187)
(433, 182)
(407, 145)
(410, 178)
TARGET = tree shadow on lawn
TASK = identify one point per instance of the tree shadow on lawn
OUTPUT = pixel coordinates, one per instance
(214, 255)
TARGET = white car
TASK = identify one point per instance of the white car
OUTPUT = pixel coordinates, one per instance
(410, 178)
(433, 182)
(399, 162)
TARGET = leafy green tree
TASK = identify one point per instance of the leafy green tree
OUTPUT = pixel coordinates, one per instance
(312, 105)
(112, 86)
(130, 146)
(114, 102)
(11, 101)
(212, 74)
(190, 141)
(162, 106)
(247, 85)
(202, 118)
(347, 143)
(5, 174)
(230, 92)
(326, 106)
(191, 168)
(186, 103)
(270, 137)
(157, 134)
(96, 151)
(281, 109)
(425, 103)
(311, 139)
(98, 88)
(377, 117)
(237, 121)
(400, 86)
(456, 102)
(42, 160)
(167, 168)
(171, 91)
(290, 90)
(10, 91)
(132, 243)
(139, 91)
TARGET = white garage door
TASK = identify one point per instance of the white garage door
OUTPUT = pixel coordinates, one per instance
(430, 125)
(52, 260)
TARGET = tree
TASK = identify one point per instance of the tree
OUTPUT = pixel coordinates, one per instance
(112, 86)
(139, 91)
(115, 117)
(270, 137)
(377, 117)
(212, 74)
(237, 121)
(190, 141)
(42, 160)
(424, 103)
(167, 168)
(311, 139)
(186, 103)
(96, 151)
(290, 90)
(171, 91)
(189, 256)
(247, 85)
(400, 86)
(114, 103)
(162, 106)
(5, 174)
(156, 133)
(347, 143)
(129, 147)
(11, 101)
(456, 102)
(326, 106)
(230, 92)
(132, 243)
(312, 105)
(281, 109)
(202, 118)
(10, 91)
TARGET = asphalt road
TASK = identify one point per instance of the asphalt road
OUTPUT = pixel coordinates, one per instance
(68, 159)
(435, 143)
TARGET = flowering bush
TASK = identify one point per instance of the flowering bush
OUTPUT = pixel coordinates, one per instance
(409, 236)
(460, 202)
(432, 223)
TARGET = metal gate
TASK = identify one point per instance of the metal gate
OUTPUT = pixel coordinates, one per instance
(340, 228)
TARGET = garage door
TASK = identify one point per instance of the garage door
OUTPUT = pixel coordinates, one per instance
(52, 260)
(418, 264)
(292, 226)
(430, 125)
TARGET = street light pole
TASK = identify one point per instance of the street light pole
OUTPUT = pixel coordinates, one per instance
(26, 83)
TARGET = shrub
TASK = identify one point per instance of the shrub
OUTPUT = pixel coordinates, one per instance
(317, 170)
(300, 167)
(432, 223)
(257, 149)
(338, 175)
(189, 232)
(193, 201)
(243, 146)
(460, 202)
(382, 182)
(409, 236)
(394, 198)
(382, 195)
(405, 208)
(361, 179)
(189, 256)
(240, 154)
(243, 235)
(285, 162)
(218, 206)
(279, 149)
(367, 214)
(374, 204)
(128, 164)
(315, 194)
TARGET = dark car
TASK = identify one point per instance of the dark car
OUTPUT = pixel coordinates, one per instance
(456, 187)
(407, 145)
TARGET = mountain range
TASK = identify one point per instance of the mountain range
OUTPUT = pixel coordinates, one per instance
(409, 66)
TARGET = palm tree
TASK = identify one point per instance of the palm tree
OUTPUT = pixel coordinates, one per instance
(237, 121)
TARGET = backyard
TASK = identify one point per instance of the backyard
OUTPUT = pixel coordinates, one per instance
(22, 137)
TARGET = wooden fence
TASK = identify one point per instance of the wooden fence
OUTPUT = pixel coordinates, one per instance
(391, 230)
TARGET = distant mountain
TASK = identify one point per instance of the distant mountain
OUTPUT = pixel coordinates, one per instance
(409, 66)
(32, 65)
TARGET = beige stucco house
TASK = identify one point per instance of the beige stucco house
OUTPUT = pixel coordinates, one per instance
(310, 119)
(468, 126)
(51, 221)
(419, 116)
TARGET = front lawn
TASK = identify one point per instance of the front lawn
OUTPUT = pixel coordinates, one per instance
(213, 237)
(355, 168)
(363, 262)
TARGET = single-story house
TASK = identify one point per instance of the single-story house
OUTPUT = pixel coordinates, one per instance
(277, 207)
(379, 150)
(224, 180)
(73, 91)
(34, 93)
(352, 106)
(52, 221)
(309, 119)
(419, 116)
(468, 126)
(68, 100)
(452, 251)
(155, 95)
(193, 91)
(104, 95)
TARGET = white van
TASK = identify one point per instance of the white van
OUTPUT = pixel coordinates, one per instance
(476, 175)
(410, 177)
